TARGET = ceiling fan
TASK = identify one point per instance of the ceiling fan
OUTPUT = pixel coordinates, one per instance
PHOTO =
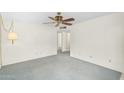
(59, 19)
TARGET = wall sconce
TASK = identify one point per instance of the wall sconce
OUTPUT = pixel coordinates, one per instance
(12, 36)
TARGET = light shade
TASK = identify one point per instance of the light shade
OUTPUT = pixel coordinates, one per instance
(12, 36)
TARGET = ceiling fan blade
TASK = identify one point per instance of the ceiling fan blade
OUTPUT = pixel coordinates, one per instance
(69, 24)
(69, 19)
(49, 22)
(52, 18)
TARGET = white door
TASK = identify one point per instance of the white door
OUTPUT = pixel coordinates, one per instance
(63, 42)
(59, 42)
(66, 41)
(0, 50)
(0, 43)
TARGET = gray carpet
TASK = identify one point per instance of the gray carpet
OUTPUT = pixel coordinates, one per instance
(60, 67)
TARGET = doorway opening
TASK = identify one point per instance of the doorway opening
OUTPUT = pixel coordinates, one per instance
(63, 42)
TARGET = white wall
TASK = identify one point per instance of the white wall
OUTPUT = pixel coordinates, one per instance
(122, 76)
(35, 40)
(100, 41)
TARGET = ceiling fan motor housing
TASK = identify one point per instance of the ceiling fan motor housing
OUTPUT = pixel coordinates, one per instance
(59, 18)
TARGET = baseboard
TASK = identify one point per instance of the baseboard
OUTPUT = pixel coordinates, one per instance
(28, 59)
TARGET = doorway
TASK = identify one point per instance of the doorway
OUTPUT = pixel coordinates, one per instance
(63, 41)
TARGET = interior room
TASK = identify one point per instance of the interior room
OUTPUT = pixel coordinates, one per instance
(61, 46)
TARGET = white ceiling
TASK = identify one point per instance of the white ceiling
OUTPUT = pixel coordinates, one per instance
(41, 17)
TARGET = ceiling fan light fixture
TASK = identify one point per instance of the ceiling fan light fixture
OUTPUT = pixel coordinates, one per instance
(12, 36)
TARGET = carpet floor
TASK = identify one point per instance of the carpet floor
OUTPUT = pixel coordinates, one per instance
(58, 67)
